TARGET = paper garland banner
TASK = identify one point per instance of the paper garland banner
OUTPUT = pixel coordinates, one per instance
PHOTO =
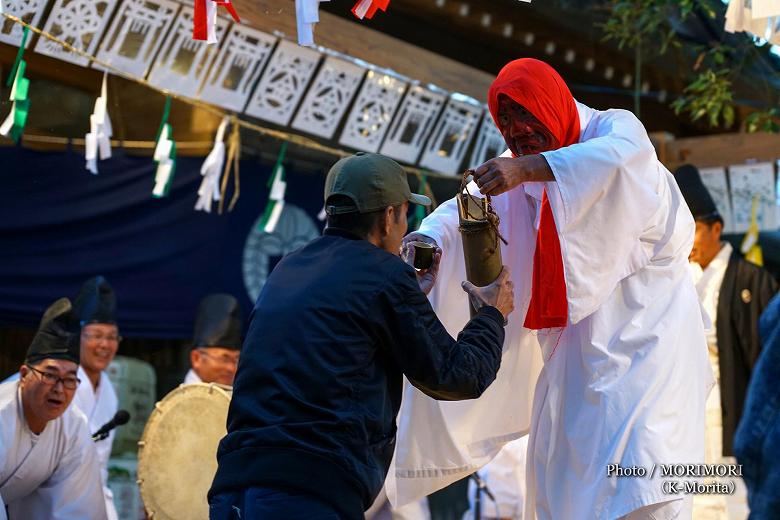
(164, 155)
(205, 20)
(211, 171)
(13, 125)
(98, 141)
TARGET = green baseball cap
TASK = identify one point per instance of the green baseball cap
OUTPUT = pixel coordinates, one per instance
(371, 181)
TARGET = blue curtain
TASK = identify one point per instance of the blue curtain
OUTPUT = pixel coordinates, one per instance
(60, 225)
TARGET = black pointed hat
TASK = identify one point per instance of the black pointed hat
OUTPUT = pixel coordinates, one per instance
(96, 302)
(57, 336)
(218, 323)
(696, 194)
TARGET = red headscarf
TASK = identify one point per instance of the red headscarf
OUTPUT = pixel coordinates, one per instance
(541, 90)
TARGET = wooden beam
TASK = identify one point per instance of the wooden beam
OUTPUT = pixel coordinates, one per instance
(722, 150)
(369, 45)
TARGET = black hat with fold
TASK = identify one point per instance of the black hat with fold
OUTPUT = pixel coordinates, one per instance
(57, 336)
(696, 195)
(218, 323)
(96, 302)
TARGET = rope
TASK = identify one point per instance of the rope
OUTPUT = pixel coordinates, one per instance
(276, 134)
(488, 213)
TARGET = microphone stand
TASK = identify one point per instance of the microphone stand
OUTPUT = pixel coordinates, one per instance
(481, 487)
(99, 437)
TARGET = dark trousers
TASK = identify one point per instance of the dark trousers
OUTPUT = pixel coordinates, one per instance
(258, 503)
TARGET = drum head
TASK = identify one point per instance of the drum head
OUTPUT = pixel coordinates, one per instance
(177, 455)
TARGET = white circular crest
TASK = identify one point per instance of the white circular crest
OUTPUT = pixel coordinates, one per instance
(294, 229)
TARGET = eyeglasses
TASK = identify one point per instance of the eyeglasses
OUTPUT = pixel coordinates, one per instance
(91, 336)
(222, 360)
(69, 382)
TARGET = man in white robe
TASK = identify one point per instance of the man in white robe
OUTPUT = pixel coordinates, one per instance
(216, 341)
(95, 397)
(48, 464)
(625, 373)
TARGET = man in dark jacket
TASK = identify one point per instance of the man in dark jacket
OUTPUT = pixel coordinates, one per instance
(734, 292)
(311, 426)
(757, 441)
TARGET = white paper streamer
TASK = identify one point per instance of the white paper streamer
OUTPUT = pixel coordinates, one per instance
(212, 171)
(98, 140)
(362, 9)
(273, 219)
(307, 14)
(162, 154)
(5, 128)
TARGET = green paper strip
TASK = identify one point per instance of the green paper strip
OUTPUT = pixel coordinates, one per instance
(164, 121)
(269, 209)
(21, 109)
(279, 159)
(173, 167)
(18, 60)
(22, 89)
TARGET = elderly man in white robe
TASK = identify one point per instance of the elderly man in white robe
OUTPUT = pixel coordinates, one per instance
(95, 307)
(48, 464)
(599, 237)
(216, 341)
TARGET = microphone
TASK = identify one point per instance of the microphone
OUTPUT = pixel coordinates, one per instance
(120, 418)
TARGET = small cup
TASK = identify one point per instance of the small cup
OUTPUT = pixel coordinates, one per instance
(423, 255)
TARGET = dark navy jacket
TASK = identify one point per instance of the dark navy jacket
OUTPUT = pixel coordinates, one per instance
(319, 382)
(757, 442)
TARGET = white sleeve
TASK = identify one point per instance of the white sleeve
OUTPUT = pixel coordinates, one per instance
(606, 192)
(442, 224)
(75, 491)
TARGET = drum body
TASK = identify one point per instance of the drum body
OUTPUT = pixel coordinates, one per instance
(177, 453)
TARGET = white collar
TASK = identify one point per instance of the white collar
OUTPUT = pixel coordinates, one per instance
(721, 260)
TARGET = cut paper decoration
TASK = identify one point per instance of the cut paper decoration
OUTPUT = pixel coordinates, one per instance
(136, 33)
(31, 11)
(413, 124)
(449, 142)
(164, 155)
(714, 179)
(490, 143)
(749, 181)
(211, 170)
(237, 67)
(372, 112)
(98, 140)
(282, 85)
(183, 62)
(80, 23)
(204, 26)
(328, 98)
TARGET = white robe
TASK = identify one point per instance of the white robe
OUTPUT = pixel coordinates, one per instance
(191, 378)
(626, 380)
(53, 475)
(99, 407)
(504, 477)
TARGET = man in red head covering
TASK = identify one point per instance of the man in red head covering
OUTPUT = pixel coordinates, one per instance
(599, 238)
